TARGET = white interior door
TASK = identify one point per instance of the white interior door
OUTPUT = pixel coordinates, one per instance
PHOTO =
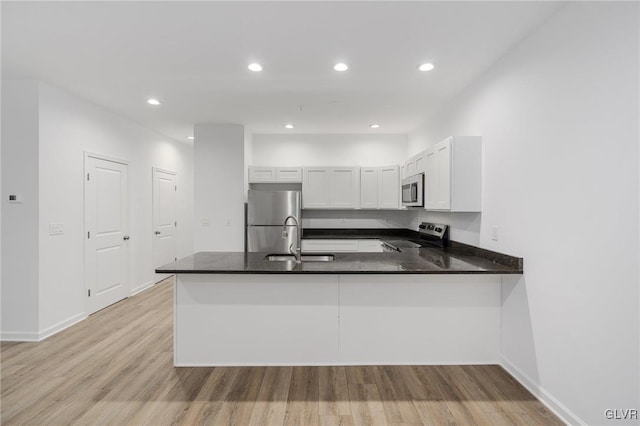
(164, 217)
(106, 222)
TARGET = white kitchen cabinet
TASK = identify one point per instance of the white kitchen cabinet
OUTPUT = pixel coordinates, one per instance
(289, 174)
(341, 246)
(388, 188)
(453, 177)
(331, 188)
(414, 165)
(262, 174)
(316, 185)
(345, 188)
(329, 246)
(379, 187)
(370, 246)
(369, 177)
(275, 174)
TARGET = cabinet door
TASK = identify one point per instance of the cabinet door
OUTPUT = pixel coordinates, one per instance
(421, 162)
(388, 188)
(262, 174)
(369, 187)
(289, 174)
(315, 188)
(345, 191)
(443, 158)
(370, 246)
(329, 246)
(410, 166)
(430, 180)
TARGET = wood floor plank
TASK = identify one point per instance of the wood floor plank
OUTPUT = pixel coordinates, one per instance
(271, 404)
(334, 394)
(116, 368)
(304, 395)
(366, 406)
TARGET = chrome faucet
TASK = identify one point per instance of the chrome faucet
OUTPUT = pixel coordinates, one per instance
(298, 251)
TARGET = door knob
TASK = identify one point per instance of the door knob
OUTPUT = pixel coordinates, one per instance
(157, 232)
(126, 237)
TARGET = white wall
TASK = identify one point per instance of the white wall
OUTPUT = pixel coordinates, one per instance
(68, 126)
(219, 186)
(328, 150)
(559, 120)
(336, 150)
(20, 221)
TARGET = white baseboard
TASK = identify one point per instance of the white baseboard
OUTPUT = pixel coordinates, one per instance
(551, 402)
(141, 288)
(57, 328)
(19, 336)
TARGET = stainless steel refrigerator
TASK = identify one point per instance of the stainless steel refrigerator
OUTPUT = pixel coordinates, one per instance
(266, 212)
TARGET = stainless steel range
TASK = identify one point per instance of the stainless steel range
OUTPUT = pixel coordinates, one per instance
(431, 235)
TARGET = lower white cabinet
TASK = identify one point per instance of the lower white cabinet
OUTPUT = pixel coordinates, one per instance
(341, 246)
(331, 188)
(379, 187)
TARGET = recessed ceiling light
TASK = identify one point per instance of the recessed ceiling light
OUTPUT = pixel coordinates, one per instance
(255, 67)
(289, 126)
(340, 67)
(427, 66)
(190, 138)
(153, 101)
(374, 126)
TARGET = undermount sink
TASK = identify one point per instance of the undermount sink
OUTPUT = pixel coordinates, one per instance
(303, 258)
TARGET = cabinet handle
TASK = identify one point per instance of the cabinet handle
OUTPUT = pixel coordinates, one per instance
(157, 232)
(126, 238)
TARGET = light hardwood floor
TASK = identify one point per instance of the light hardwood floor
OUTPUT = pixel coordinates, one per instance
(116, 368)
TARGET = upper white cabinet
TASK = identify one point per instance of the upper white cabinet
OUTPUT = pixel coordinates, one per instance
(379, 187)
(453, 175)
(369, 187)
(316, 183)
(345, 187)
(274, 174)
(414, 165)
(388, 187)
(331, 188)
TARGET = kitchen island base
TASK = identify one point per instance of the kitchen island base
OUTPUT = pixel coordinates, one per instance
(336, 319)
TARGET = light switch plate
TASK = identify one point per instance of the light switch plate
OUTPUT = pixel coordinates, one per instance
(56, 228)
(494, 233)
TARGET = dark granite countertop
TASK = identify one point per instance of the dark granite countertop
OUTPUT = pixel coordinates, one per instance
(456, 259)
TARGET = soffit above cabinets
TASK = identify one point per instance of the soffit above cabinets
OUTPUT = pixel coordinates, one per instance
(193, 57)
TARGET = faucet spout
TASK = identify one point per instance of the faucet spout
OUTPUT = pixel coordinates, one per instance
(298, 252)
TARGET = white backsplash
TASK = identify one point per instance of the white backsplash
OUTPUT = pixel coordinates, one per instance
(356, 218)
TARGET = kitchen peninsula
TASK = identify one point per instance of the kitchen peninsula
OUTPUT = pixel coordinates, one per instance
(418, 306)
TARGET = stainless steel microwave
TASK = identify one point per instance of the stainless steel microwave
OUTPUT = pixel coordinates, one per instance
(413, 191)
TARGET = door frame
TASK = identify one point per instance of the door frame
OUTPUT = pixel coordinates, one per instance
(86, 156)
(153, 239)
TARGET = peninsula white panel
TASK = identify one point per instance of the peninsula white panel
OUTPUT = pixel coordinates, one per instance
(293, 319)
(256, 319)
(419, 319)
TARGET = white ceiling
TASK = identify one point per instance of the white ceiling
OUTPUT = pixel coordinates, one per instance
(194, 56)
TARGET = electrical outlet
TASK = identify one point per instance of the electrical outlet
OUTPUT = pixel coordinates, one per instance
(204, 221)
(494, 233)
(56, 228)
